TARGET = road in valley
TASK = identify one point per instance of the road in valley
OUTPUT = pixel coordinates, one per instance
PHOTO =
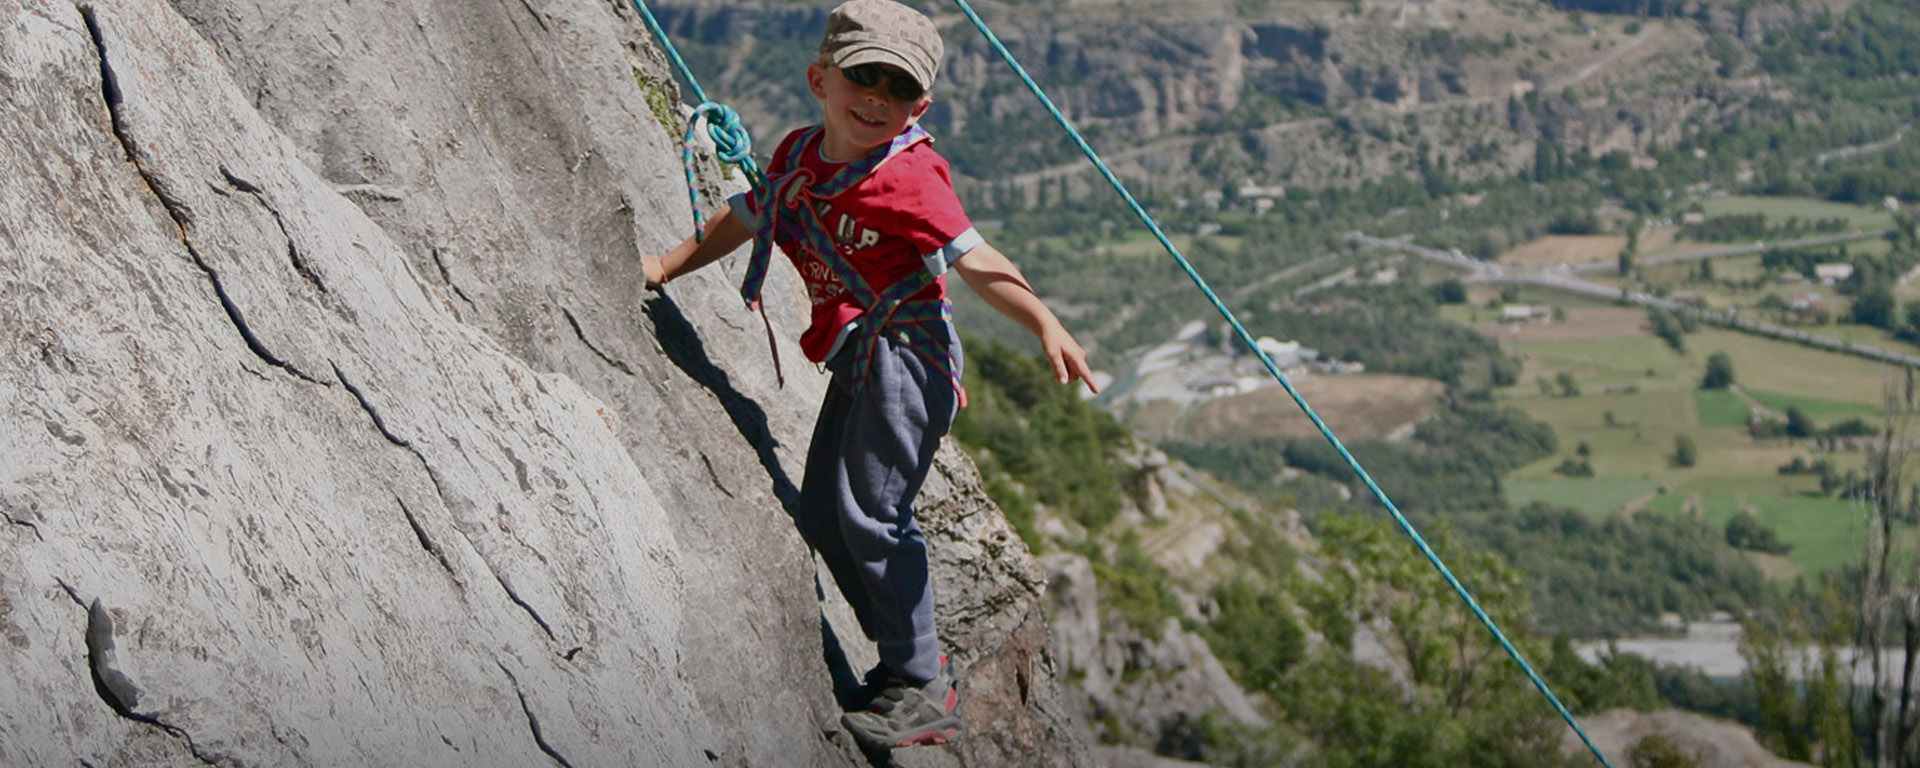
(1563, 279)
(1613, 268)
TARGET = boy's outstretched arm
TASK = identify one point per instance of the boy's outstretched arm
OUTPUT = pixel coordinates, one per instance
(992, 275)
(724, 233)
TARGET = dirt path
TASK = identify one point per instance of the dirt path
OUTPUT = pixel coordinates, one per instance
(1754, 405)
(1239, 294)
(1598, 64)
(1635, 505)
(1823, 157)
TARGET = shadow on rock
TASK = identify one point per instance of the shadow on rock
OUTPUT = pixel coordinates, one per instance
(848, 688)
(682, 345)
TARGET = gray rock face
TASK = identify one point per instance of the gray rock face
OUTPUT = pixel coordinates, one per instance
(338, 429)
(1151, 686)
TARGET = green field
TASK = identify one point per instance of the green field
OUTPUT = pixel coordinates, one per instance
(1139, 244)
(1678, 275)
(1596, 496)
(1639, 395)
(1779, 209)
(1630, 360)
(1790, 369)
(1824, 533)
(1821, 411)
(1878, 246)
(1719, 408)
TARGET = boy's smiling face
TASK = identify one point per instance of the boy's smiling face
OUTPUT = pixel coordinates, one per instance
(860, 119)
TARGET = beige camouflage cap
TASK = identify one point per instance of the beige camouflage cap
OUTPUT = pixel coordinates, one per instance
(884, 32)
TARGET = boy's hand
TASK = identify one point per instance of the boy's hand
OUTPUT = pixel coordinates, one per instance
(654, 269)
(1068, 359)
(724, 233)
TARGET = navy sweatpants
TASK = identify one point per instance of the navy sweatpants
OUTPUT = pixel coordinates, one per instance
(868, 458)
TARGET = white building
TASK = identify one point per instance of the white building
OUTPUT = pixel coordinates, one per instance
(1216, 386)
(1525, 313)
(1832, 273)
(1255, 192)
(1284, 354)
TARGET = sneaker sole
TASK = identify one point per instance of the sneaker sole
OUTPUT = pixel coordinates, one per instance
(933, 737)
(943, 732)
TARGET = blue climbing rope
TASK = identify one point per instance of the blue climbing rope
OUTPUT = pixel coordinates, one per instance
(1247, 339)
(733, 145)
(731, 142)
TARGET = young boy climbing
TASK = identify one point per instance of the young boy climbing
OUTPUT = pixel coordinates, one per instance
(865, 209)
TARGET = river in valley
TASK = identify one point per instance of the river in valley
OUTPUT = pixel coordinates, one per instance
(1713, 647)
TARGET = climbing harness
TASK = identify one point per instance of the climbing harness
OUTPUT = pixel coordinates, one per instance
(787, 206)
(729, 133)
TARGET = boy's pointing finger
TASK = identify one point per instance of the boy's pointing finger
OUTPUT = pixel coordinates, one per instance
(1084, 374)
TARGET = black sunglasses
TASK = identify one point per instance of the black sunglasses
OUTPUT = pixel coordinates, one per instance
(900, 86)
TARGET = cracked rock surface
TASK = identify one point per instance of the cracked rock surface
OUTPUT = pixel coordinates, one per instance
(337, 429)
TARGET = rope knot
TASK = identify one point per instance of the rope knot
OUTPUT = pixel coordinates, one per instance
(731, 142)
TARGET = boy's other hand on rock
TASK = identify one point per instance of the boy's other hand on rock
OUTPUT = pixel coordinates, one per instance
(654, 269)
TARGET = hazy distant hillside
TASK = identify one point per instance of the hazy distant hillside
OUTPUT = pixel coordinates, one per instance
(1296, 92)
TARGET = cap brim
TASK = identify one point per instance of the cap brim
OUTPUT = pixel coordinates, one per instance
(855, 55)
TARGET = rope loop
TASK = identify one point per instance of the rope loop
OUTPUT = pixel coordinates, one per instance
(731, 144)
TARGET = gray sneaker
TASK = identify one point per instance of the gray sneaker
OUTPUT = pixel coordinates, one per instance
(905, 715)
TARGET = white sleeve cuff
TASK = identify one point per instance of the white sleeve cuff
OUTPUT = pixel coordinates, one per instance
(743, 212)
(938, 261)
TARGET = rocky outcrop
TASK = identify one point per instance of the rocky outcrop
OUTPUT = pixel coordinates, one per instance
(340, 431)
(1153, 688)
(1711, 743)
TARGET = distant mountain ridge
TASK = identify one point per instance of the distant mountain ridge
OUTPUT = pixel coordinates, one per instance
(1284, 91)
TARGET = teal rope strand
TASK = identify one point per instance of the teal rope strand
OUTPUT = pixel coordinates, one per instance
(673, 53)
(1247, 339)
(731, 142)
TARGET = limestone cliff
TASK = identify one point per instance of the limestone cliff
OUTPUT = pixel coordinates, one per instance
(339, 430)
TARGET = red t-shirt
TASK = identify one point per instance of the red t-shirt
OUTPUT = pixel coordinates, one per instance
(901, 218)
